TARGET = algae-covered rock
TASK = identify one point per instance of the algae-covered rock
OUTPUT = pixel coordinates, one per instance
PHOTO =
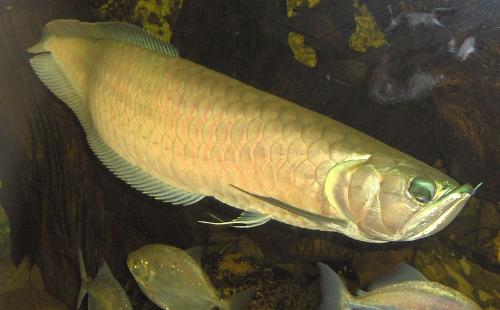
(274, 287)
(155, 16)
(441, 265)
(475, 229)
(302, 53)
(292, 5)
(367, 33)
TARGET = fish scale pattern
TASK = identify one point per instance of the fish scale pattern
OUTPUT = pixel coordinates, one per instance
(201, 131)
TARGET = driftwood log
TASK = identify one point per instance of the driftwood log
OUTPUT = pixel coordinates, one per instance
(59, 197)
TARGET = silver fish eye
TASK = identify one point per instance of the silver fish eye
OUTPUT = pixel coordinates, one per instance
(422, 190)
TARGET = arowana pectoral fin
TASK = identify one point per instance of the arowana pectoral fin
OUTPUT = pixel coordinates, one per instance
(306, 214)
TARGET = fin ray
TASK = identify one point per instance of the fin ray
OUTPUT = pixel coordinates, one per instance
(401, 273)
(49, 72)
(333, 290)
(195, 253)
(118, 31)
(304, 213)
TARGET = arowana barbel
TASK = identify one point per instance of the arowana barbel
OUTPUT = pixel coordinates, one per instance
(179, 131)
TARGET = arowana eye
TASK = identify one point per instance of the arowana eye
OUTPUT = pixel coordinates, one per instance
(422, 190)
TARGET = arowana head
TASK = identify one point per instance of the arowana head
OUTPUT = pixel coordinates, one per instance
(394, 198)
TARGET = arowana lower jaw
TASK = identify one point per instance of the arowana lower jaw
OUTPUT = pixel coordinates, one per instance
(435, 217)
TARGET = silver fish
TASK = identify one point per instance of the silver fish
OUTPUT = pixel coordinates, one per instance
(173, 279)
(104, 291)
(403, 288)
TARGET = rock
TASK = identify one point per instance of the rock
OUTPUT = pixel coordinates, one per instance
(461, 273)
(369, 265)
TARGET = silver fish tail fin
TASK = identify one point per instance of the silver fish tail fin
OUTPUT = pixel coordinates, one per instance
(240, 300)
(195, 253)
(334, 294)
(81, 295)
(84, 277)
(401, 273)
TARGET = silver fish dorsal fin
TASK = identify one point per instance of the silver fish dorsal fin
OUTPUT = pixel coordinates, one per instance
(49, 72)
(104, 270)
(195, 253)
(401, 273)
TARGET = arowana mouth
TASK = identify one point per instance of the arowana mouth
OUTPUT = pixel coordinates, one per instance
(436, 216)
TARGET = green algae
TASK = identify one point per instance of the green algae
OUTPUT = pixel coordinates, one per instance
(367, 33)
(302, 53)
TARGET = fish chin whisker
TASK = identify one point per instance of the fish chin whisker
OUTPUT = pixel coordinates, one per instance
(476, 188)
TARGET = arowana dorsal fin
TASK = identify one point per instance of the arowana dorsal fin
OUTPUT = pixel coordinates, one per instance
(118, 31)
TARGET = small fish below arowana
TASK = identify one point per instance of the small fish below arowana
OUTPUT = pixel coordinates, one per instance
(105, 293)
(401, 289)
(178, 131)
(173, 279)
